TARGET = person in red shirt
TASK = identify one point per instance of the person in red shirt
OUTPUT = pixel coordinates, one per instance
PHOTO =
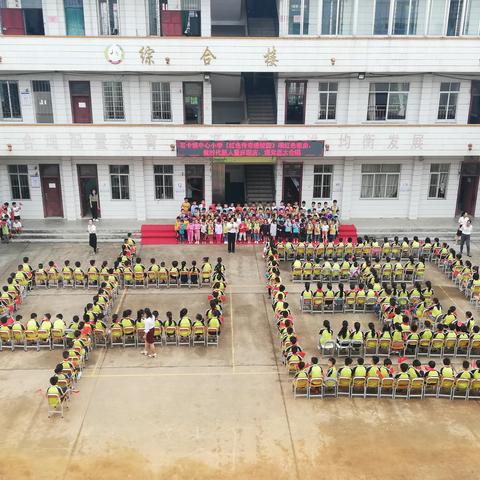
(242, 231)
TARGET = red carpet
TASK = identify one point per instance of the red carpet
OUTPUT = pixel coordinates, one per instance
(158, 235)
(165, 234)
(347, 230)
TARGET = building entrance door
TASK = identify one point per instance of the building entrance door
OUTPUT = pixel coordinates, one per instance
(468, 188)
(195, 182)
(292, 182)
(51, 190)
(81, 102)
(87, 181)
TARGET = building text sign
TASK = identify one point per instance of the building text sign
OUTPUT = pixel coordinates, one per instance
(249, 148)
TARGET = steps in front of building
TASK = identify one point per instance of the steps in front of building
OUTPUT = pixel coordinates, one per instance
(260, 183)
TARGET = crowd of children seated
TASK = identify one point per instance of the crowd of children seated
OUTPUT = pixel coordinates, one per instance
(10, 221)
(257, 222)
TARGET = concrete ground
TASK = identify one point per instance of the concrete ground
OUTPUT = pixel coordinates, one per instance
(206, 413)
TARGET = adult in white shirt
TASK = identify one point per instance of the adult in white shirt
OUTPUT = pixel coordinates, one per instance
(149, 328)
(462, 221)
(465, 238)
(273, 230)
(232, 230)
(92, 237)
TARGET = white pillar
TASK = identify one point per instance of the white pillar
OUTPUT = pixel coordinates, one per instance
(206, 18)
(208, 183)
(346, 205)
(278, 181)
(427, 100)
(281, 89)
(415, 187)
(207, 103)
(68, 190)
(139, 188)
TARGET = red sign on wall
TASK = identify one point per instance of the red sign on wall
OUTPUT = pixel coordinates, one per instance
(250, 148)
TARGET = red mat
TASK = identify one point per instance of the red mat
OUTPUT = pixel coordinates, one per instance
(158, 235)
(165, 234)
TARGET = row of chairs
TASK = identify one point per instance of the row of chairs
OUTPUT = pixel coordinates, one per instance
(119, 336)
(385, 347)
(288, 252)
(431, 387)
(132, 279)
(388, 273)
(31, 339)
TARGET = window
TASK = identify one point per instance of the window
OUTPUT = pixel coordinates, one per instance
(161, 106)
(108, 13)
(474, 114)
(163, 182)
(119, 181)
(10, 100)
(190, 4)
(193, 102)
(337, 17)
(113, 101)
(74, 17)
(387, 101)
(295, 109)
(42, 98)
(447, 108)
(19, 182)
(382, 17)
(380, 181)
(298, 17)
(322, 181)
(438, 180)
(328, 100)
(472, 18)
(454, 17)
(405, 17)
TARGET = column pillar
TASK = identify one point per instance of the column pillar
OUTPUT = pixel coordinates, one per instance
(206, 18)
(68, 189)
(139, 188)
(415, 187)
(346, 205)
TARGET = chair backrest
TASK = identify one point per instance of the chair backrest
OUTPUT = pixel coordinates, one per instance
(53, 399)
(344, 381)
(387, 383)
(31, 335)
(129, 330)
(316, 382)
(447, 383)
(373, 382)
(402, 384)
(437, 343)
(300, 383)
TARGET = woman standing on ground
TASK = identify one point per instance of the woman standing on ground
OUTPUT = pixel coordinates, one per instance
(462, 221)
(92, 239)
(149, 328)
(93, 201)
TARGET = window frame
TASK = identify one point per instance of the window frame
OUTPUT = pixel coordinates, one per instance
(302, 18)
(389, 92)
(100, 23)
(163, 174)
(10, 118)
(113, 84)
(329, 92)
(152, 101)
(411, 8)
(323, 174)
(378, 174)
(439, 174)
(120, 187)
(449, 93)
(17, 175)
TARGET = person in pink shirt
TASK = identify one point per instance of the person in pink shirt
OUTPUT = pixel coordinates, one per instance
(190, 230)
(242, 232)
(196, 231)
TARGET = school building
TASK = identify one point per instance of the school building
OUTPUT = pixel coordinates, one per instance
(374, 103)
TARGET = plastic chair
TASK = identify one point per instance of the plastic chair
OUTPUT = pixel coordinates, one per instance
(116, 336)
(300, 387)
(152, 279)
(129, 337)
(212, 336)
(358, 387)
(474, 390)
(436, 347)
(343, 386)
(445, 389)
(372, 387)
(371, 346)
(416, 388)
(55, 404)
(386, 387)
(401, 388)
(315, 389)
(184, 336)
(199, 336)
(31, 340)
(140, 280)
(58, 338)
(6, 339)
(460, 389)
(170, 334)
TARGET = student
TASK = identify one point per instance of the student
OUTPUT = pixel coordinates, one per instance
(415, 371)
(54, 389)
(465, 374)
(346, 370)
(447, 370)
(403, 374)
(325, 334)
(332, 369)
(315, 371)
(373, 369)
(359, 370)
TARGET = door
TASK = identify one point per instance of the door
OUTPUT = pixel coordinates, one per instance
(468, 187)
(193, 102)
(295, 102)
(12, 21)
(474, 116)
(43, 101)
(74, 17)
(171, 23)
(87, 181)
(195, 182)
(292, 182)
(81, 102)
(51, 191)
(33, 21)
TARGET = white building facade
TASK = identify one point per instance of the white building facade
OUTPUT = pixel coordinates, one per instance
(374, 103)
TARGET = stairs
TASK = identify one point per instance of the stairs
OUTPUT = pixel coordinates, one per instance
(259, 183)
(262, 18)
(260, 98)
(262, 27)
(156, 234)
(261, 109)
